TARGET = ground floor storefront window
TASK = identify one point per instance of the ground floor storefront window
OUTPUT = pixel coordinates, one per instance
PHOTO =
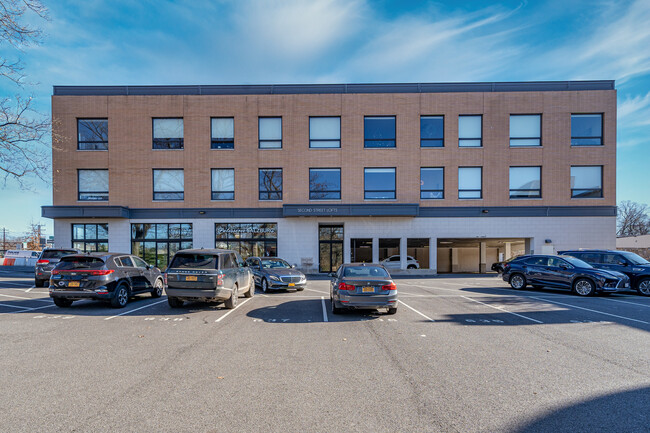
(90, 237)
(418, 248)
(248, 239)
(157, 243)
(389, 248)
(361, 250)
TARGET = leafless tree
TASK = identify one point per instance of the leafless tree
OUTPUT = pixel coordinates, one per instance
(23, 131)
(632, 219)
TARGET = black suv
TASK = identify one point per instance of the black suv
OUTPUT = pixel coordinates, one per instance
(47, 261)
(628, 263)
(110, 277)
(563, 272)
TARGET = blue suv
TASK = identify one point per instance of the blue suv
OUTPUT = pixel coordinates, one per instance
(562, 272)
(630, 264)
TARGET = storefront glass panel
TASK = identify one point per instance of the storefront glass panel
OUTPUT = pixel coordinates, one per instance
(361, 250)
(418, 248)
(248, 239)
(157, 243)
(387, 248)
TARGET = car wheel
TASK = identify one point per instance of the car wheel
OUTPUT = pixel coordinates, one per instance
(392, 310)
(121, 297)
(517, 281)
(584, 287)
(157, 289)
(644, 287)
(335, 309)
(251, 289)
(232, 301)
(265, 285)
(411, 267)
(175, 302)
(62, 302)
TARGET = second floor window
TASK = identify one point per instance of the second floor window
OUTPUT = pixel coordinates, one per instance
(586, 129)
(470, 182)
(525, 182)
(525, 130)
(93, 185)
(379, 183)
(324, 184)
(92, 134)
(432, 131)
(223, 184)
(168, 184)
(270, 132)
(324, 132)
(168, 133)
(587, 181)
(432, 183)
(270, 184)
(470, 131)
(379, 131)
(223, 133)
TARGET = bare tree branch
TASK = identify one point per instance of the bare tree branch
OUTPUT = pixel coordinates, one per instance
(632, 219)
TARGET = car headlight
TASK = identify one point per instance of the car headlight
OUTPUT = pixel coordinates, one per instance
(274, 278)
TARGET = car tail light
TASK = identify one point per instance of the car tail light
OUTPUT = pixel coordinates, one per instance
(165, 278)
(54, 272)
(390, 286)
(42, 262)
(220, 280)
(93, 272)
(344, 286)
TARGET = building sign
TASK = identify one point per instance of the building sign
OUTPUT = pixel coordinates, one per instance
(384, 209)
(248, 239)
(230, 229)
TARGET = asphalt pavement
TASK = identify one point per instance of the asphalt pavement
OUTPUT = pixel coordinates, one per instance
(461, 355)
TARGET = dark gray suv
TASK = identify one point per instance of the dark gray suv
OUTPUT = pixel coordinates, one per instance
(47, 261)
(207, 275)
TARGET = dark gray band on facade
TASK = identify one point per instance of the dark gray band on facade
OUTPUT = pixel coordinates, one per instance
(342, 210)
(293, 89)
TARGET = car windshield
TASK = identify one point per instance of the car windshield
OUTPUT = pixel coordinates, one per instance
(275, 264)
(194, 261)
(577, 262)
(365, 271)
(78, 263)
(635, 258)
(56, 254)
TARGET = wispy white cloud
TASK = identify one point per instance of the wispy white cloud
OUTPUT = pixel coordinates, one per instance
(634, 111)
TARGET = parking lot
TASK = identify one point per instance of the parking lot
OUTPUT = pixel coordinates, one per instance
(462, 354)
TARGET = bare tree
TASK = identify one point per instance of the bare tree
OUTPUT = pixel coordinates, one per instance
(632, 219)
(23, 131)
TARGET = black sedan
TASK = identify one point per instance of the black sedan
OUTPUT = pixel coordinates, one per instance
(109, 277)
(562, 272)
(362, 286)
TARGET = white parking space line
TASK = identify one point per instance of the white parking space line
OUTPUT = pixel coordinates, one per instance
(24, 297)
(30, 289)
(15, 284)
(238, 305)
(593, 311)
(136, 309)
(319, 291)
(322, 301)
(29, 309)
(413, 309)
(626, 302)
(429, 287)
(503, 309)
(14, 306)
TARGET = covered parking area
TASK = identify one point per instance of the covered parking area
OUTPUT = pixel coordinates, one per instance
(476, 255)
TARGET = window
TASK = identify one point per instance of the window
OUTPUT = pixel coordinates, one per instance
(418, 250)
(379, 131)
(361, 250)
(270, 132)
(92, 134)
(168, 133)
(470, 181)
(90, 237)
(586, 130)
(470, 131)
(587, 181)
(223, 184)
(525, 130)
(525, 182)
(388, 248)
(379, 183)
(432, 131)
(432, 183)
(124, 261)
(324, 184)
(613, 259)
(139, 263)
(157, 243)
(92, 185)
(257, 239)
(270, 184)
(168, 184)
(324, 132)
(223, 133)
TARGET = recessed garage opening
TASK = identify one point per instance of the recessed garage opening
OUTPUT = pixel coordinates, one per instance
(472, 255)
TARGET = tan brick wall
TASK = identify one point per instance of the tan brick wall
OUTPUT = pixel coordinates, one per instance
(130, 158)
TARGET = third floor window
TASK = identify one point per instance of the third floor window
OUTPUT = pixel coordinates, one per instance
(92, 134)
(270, 132)
(525, 130)
(168, 133)
(470, 131)
(586, 129)
(432, 131)
(324, 132)
(379, 131)
(222, 132)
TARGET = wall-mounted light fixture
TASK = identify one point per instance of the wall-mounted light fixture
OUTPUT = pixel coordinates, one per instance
(485, 211)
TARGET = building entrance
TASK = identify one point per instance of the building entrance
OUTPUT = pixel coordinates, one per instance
(330, 247)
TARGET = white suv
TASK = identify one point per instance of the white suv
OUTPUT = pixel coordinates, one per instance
(393, 262)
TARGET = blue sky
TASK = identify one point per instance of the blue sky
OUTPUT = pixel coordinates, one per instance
(107, 42)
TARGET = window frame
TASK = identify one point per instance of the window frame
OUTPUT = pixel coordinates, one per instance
(442, 191)
(323, 139)
(259, 139)
(480, 139)
(525, 138)
(366, 140)
(79, 142)
(365, 190)
(602, 130)
(168, 240)
(441, 139)
(167, 140)
(259, 184)
(96, 241)
(510, 190)
(602, 180)
(79, 192)
(213, 192)
(327, 191)
(480, 197)
(212, 139)
(153, 186)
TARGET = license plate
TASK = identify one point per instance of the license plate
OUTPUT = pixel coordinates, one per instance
(190, 278)
(73, 284)
(368, 289)
(292, 284)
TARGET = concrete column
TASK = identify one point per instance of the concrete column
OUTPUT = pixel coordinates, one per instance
(482, 266)
(528, 246)
(402, 253)
(455, 265)
(508, 252)
(433, 254)
(375, 250)
(347, 248)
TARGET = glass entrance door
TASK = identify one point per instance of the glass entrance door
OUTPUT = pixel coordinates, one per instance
(330, 243)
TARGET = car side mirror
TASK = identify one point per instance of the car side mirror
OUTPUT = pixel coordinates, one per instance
(331, 274)
(564, 267)
(148, 267)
